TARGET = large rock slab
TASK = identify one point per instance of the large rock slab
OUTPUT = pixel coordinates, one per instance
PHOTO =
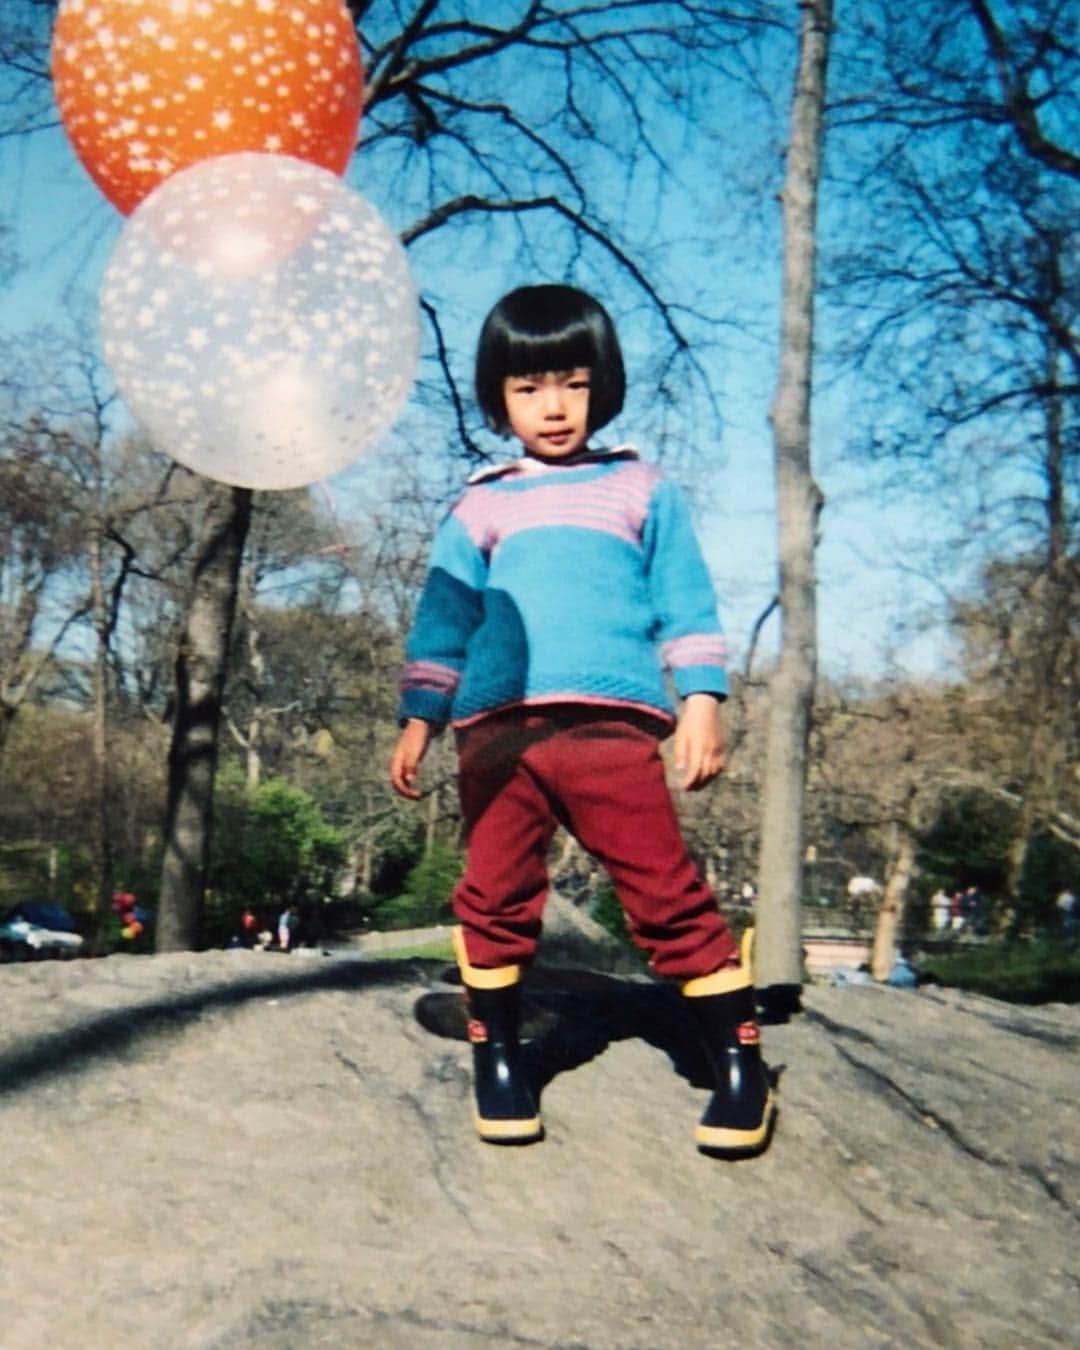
(242, 1150)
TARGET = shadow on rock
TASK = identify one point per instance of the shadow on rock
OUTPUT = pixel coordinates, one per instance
(571, 1016)
(122, 1031)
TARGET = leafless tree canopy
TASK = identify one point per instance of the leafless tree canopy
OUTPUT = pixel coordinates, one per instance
(511, 141)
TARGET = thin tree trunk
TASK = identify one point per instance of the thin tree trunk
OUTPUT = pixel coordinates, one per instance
(893, 905)
(200, 683)
(1044, 763)
(778, 942)
(431, 820)
(103, 852)
(257, 668)
(1016, 856)
(7, 718)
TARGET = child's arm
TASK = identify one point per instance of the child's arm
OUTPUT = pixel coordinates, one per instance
(450, 608)
(411, 747)
(700, 746)
(689, 636)
(687, 629)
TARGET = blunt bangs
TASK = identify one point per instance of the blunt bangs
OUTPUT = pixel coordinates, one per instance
(540, 328)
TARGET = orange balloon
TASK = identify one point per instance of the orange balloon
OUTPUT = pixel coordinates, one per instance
(147, 87)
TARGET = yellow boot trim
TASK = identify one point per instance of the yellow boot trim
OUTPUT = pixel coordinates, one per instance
(509, 1131)
(477, 977)
(720, 1139)
(725, 981)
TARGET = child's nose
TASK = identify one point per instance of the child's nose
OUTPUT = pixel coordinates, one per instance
(553, 401)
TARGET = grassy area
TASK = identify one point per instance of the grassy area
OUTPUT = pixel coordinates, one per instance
(1037, 971)
(430, 951)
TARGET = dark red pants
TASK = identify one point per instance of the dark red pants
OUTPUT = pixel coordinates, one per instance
(521, 775)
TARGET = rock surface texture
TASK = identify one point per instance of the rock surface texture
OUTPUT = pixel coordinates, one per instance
(238, 1149)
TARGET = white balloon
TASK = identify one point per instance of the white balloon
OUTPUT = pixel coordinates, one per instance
(260, 320)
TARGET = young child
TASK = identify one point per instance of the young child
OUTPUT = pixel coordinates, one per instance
(561, 587)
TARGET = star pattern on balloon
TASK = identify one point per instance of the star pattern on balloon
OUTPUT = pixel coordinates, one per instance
(260, 320)
(146, 87)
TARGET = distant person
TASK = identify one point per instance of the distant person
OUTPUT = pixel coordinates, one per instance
(560, 584)
(248, 928)
(1066, 908)
(862, 897)
(902, 975)
(287, 927)
(973, 910)
(940, 910)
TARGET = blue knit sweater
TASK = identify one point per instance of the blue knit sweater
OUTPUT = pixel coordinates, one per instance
(576, 582)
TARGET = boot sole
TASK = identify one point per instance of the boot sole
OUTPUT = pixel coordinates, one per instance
(721, 1142)
(509, 1131)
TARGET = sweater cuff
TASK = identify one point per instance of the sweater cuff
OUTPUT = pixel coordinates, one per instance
(701, 680)
(425, 704)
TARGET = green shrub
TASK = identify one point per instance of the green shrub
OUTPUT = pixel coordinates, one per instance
(968, 844)
(271, 846)
(1018, 972)
(428, 887)
(399, 846)
(1049, 865)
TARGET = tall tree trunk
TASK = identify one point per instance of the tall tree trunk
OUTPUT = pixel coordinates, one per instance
(431, 820)
(890, 916)
(778, 943)
(7, 719)
(103, 851)
(1016, 856)
(1047, 651)
(252, 739)
(200, 683)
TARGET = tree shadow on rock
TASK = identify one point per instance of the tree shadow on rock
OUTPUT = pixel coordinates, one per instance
(122, 1032)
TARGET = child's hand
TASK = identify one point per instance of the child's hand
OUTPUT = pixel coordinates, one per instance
(410, 750)
(700, 748)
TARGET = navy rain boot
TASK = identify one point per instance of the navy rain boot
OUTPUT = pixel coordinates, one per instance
(739, 1117)
(506, 1111)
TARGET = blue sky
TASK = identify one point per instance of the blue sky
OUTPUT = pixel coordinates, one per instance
(65, 231)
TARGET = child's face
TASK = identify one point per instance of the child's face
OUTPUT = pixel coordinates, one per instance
(549, 412)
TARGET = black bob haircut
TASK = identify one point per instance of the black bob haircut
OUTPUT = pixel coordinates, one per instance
(540, 328)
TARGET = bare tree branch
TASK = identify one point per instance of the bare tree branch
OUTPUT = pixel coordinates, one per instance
(1021, 108)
